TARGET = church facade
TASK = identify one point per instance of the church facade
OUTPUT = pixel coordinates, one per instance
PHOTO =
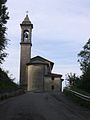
(35, 73)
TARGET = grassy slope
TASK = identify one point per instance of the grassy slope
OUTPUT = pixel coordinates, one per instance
(6, 84)
(76, 99)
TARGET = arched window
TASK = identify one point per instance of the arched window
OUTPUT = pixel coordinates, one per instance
(26, 34)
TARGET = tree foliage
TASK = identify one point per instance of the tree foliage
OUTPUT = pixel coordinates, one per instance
(6, 83)
(73, 79)
(85, 57)
(3, 20)
(85, 66)
(82, 82)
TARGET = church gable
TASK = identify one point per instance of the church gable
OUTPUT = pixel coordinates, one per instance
(41, 60)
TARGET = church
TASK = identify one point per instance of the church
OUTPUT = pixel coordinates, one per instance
(35, 73)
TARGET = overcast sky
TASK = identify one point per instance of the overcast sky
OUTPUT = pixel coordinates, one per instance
(61, 28)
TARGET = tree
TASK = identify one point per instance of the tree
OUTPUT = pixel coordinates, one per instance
(85, 57)
(3, 20)
(85, 65)
(73, 79)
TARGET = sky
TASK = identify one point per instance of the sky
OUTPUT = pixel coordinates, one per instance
(61, 29)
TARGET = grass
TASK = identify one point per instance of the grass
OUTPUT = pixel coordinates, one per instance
(7, 86)
(80, 91)
(76, 99)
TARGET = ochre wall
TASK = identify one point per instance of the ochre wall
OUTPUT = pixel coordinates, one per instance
(35, 77)
(37, 81)
(48, 83)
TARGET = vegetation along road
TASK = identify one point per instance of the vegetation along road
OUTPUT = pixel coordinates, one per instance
(42, 106)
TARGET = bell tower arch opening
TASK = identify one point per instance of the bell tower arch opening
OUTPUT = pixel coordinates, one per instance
(25, 35)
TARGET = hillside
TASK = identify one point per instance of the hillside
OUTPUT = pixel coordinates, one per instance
(6, 83)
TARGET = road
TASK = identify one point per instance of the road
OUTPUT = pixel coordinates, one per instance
(42, 106)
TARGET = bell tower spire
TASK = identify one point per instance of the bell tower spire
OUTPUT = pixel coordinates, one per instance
(26, 30)
(26, 43)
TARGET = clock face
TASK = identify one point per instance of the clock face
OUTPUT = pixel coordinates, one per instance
(26, 35)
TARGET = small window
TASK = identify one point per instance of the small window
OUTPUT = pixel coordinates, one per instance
(52, 87)
(52, 77)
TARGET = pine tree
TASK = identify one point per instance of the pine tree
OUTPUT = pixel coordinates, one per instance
(3, 20)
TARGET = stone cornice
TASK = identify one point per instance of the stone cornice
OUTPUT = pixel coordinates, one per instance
(26, 43)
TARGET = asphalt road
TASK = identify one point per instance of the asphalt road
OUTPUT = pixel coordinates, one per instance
(42, 106)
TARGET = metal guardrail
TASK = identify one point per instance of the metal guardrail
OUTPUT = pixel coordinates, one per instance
(84, 97)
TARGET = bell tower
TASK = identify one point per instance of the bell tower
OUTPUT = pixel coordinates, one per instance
(25, 55)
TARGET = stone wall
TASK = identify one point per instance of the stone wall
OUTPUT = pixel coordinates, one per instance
(47, 83)
(25, 57)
